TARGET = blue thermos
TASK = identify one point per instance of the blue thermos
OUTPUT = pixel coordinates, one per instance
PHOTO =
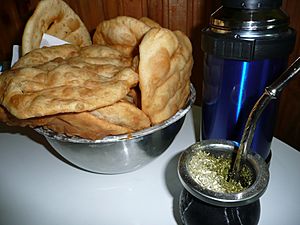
(246, 47)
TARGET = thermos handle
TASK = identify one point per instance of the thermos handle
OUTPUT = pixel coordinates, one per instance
(271, 92)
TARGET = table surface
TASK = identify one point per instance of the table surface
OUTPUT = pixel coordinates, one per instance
(38, 187)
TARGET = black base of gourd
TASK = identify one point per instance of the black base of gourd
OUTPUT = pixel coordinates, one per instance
(196, 212)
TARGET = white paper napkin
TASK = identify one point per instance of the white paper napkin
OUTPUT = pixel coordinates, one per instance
(49, 40)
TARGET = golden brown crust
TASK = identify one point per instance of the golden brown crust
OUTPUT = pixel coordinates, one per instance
(65, 86)
(119, 118)
(44, 55)
(32, 92)
(56, 18)
(85, 125)
(149, 22)
(9, 119)
(122, 33)
(164, 72)
(123, 114)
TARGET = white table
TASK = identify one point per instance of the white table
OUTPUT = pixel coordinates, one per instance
(38, 187)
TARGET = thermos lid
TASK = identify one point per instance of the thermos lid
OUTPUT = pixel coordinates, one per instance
(249, 30)
(252, 4)
(247, 49)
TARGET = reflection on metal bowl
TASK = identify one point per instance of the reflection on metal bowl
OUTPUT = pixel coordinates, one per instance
(122, 153)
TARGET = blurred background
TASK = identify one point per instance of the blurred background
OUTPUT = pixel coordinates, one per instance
(189, 16)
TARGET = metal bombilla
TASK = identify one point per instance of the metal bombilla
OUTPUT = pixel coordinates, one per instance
(271, 92)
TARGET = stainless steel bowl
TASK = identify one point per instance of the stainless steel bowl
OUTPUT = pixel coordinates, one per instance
(122, 153)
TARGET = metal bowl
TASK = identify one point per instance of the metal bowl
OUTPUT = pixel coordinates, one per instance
(121, 153)
(224, 149)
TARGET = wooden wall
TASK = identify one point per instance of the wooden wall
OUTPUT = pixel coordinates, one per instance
(288, 122)
(189, 16)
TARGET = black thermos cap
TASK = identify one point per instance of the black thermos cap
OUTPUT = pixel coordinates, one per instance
(252, 4)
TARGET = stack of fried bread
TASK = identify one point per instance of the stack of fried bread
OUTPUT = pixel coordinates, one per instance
(135, 74)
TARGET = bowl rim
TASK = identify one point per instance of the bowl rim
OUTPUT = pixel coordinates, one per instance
(115, 138)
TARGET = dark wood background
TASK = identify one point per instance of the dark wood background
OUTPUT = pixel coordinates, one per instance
(189, 16)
